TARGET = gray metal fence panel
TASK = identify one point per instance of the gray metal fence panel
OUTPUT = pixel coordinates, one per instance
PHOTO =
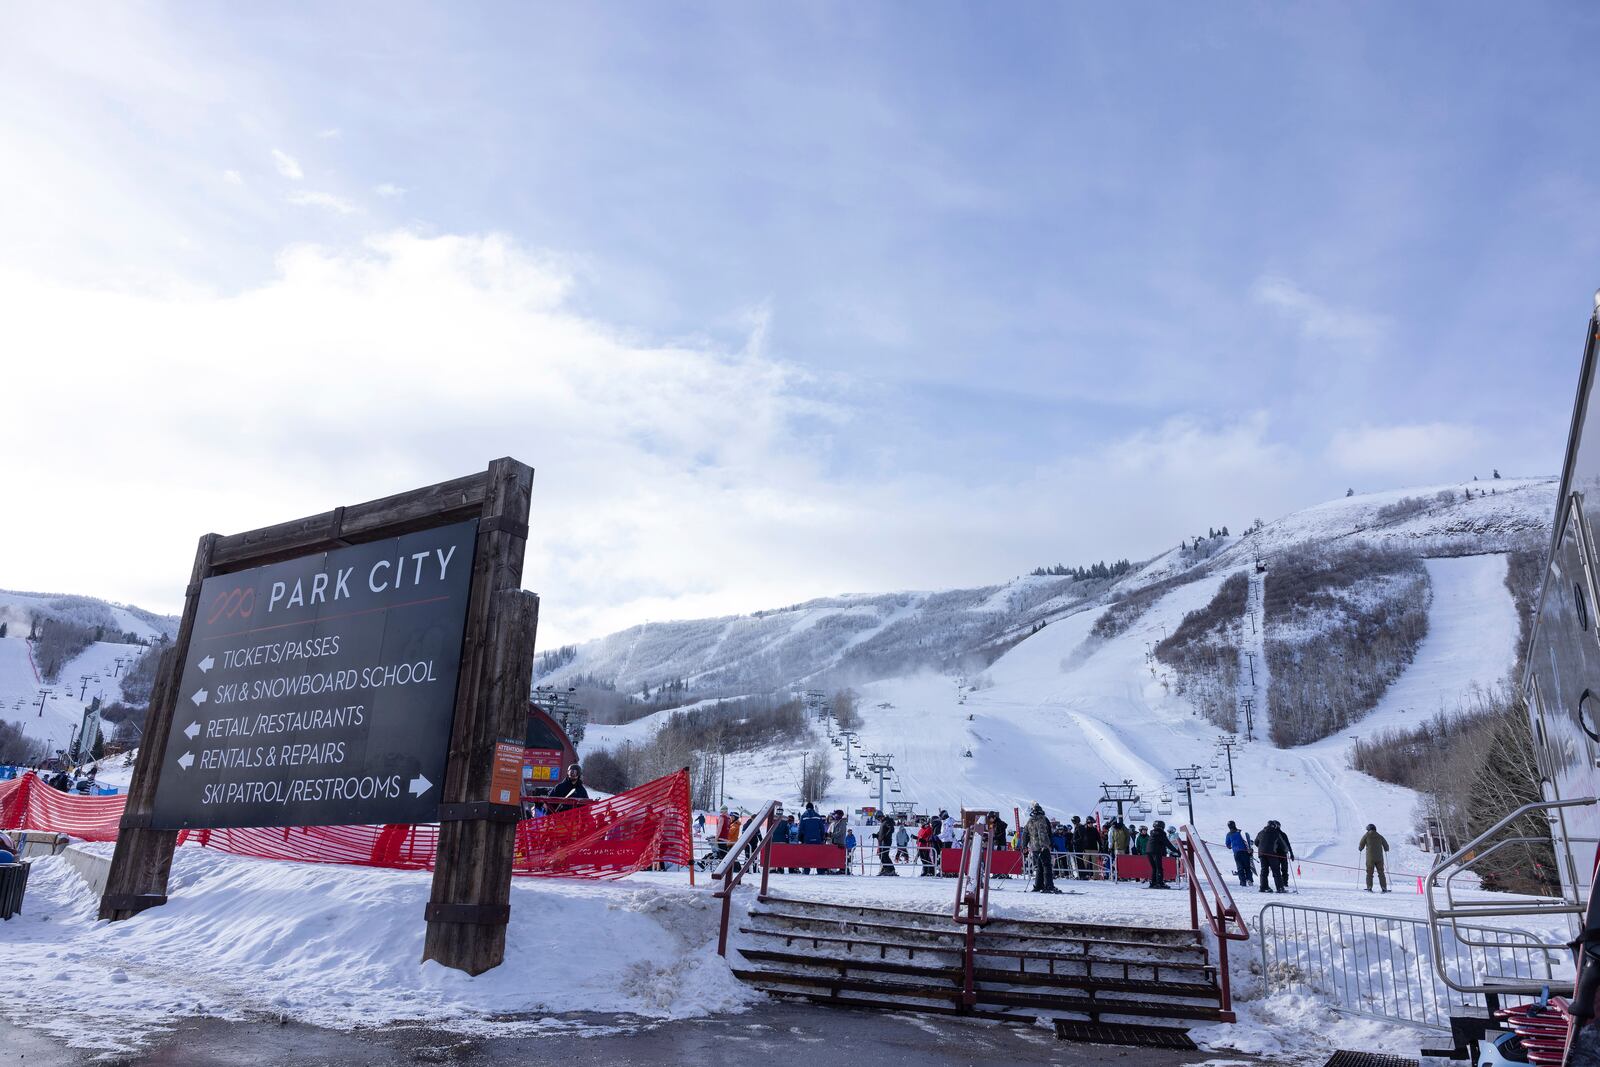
(1378, 966)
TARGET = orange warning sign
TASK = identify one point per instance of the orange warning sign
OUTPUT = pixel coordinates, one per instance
(505, 782)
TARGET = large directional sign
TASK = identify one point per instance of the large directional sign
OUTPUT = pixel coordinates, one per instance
(321, 690)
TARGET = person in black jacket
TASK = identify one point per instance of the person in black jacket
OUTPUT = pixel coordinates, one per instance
(1275, 852)
(572, 785)
(885, 836)
(1159, 848)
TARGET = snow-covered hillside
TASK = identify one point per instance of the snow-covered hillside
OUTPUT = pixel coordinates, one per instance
(51, 711)
(1062, 712)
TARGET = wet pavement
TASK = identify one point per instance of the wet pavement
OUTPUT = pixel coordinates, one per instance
(797, 1032)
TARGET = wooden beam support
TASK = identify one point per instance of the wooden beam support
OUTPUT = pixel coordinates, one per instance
(472, 873)
(142, 860)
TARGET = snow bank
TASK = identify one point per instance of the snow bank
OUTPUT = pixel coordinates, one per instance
(339, 947)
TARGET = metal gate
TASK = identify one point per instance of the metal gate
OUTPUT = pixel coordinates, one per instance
(1378, 966)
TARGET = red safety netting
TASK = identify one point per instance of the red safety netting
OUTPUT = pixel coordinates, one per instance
(607, 839)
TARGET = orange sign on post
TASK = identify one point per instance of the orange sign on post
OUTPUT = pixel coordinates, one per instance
(505, 783)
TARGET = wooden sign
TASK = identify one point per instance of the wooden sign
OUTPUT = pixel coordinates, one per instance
(386, 547)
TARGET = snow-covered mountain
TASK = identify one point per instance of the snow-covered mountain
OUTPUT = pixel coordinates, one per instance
(1063, 709)
(101, 642)
(851, 639)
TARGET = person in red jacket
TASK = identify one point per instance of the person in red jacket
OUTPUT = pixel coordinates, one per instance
(925, 848)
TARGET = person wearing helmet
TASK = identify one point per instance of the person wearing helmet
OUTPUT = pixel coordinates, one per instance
(572, 785)
(1373, 844)
(1275, 852)
(1038, 834)
(1159, 848)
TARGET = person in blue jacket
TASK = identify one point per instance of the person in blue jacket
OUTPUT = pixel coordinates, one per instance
(813, 829)
(1240, 843)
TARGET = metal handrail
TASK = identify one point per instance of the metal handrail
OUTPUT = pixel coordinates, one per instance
(730, 872)
(1463, 859)
(1400, 989)
(972, 890)
(1219, 917)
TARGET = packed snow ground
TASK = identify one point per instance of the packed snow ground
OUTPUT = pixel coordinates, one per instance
(340, 947)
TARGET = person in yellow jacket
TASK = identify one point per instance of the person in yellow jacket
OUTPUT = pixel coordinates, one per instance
(1373, 844)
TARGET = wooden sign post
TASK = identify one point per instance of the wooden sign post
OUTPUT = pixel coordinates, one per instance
(386, 769)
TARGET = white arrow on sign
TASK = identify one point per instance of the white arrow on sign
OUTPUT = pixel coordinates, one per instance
(206, 664)
(420, 785)
(190, 730)
(200, 697)
(186, 760)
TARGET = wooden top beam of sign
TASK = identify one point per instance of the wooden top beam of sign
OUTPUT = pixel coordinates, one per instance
(390, 516)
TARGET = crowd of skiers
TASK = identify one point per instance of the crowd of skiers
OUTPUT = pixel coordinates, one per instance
(1081, 848)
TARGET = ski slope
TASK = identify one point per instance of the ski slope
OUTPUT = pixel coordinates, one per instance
(1062, 714)
(92, 673)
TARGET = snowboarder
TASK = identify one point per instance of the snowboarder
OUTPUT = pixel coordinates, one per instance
(1275, 851)
(885, 835)
(1158, 849)
(1038, 835)
(1239, 842)
(1373, 844)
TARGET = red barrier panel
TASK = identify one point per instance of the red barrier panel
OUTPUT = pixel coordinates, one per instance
(1137, 868)
(1002, 861)
(607, 839)
(816, 857)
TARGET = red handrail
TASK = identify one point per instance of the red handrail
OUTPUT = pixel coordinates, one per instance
(1197, 861)
(730, 872)
(972, 893)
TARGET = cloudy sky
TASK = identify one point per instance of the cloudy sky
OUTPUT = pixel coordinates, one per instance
(779, 300)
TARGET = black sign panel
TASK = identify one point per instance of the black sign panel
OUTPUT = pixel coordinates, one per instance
(321, 690)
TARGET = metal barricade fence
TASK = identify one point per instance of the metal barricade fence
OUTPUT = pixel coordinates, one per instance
(1377, 966)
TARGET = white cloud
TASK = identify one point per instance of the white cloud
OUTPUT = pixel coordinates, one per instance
(233, 177)
(1317, 319)
(332, 133)
(1423, 450)
(287, 165)
(672, 480)
(314, 198)
(389, 191)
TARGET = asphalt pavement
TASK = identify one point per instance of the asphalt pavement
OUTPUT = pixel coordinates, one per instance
(772, 1033)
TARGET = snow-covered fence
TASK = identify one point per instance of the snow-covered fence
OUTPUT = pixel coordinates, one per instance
(1378, 965)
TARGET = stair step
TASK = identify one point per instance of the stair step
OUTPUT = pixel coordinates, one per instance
(843, 963)
(1140, 935)
(911, 949)
(988, 999)
(955, 934)
(988, 976)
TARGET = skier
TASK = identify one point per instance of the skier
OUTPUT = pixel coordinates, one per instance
(1239, 842)
(813, 829)
(1038, 835)
(925, 848)
(1159, 848)
(936, 825)
(849, 849)
(1275, 851)
(885, 835)
(902, 844)
(1141, 842)
(1373, 844)
(1119, 838)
